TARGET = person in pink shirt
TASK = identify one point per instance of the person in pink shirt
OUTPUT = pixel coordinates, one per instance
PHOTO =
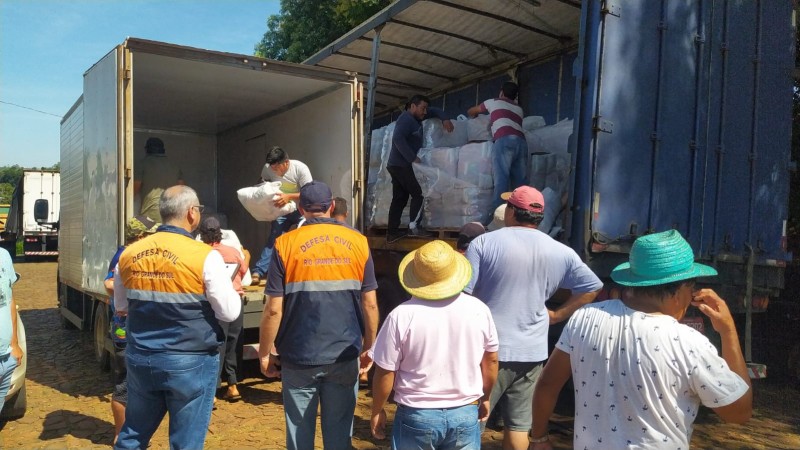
(211, 234)
(438, 351)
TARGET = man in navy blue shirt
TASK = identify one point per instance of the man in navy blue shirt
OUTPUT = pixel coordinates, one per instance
(406, 142)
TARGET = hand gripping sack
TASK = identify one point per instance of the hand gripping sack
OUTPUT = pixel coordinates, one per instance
(258, 201)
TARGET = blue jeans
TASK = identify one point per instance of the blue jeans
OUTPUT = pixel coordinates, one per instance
(334, 387)
(278, 227)
(449, 428)
(181, 384)
(7, 365)
(509, 166)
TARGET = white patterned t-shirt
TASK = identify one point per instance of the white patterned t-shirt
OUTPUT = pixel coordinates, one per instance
(640, 378)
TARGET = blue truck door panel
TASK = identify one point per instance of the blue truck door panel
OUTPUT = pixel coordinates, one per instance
(694, 102)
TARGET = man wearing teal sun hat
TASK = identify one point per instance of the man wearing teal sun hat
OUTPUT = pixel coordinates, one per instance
(639, 375)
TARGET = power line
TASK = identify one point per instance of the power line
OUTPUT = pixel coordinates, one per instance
(25, 107)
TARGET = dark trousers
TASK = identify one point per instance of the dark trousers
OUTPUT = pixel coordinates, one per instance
(228, 362)
(404, 185)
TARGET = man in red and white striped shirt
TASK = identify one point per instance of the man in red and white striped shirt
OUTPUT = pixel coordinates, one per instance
(510, 151)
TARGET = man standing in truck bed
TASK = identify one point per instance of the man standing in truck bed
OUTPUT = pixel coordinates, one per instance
(293, 175)
(509, 151)
(406, 142)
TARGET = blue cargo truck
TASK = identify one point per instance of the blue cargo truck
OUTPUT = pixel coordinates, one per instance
(681, 115)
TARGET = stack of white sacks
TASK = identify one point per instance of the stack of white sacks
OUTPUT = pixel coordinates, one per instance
(455, 173)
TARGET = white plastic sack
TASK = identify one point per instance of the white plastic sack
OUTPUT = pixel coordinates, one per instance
(531, 123)
(445, 158)
(434, 134)
(258, 201)
(479, 129)
(475, 164)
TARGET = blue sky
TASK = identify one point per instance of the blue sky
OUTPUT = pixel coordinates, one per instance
(47, 45)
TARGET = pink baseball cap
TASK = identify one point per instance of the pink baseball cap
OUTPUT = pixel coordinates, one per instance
(525, 197)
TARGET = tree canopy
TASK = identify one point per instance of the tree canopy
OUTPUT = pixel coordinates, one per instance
(303, 27)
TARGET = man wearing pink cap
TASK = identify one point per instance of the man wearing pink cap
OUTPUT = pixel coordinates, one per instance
(514, 271)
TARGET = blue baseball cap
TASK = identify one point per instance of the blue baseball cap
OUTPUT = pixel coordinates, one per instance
(315, 197)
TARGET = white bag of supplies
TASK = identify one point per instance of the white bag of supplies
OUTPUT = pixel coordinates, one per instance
(258, 201)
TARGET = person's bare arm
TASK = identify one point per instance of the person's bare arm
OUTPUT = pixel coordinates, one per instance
(268, 330)
(382, 383)
(571, 305)
(16, 350)
(710, 304)
(283, 198)
(109, 285)
(555, 373)
(474, 111)
(369, 308)
(489, 367)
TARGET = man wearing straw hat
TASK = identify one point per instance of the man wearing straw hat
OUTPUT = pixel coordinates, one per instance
(640, 376)
(514, 271)
(439, 353)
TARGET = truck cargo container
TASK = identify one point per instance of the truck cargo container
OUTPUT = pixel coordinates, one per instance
(33, 216)
(681, 115)
(217, 115)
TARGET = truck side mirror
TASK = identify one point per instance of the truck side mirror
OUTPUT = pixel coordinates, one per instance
(41, 209)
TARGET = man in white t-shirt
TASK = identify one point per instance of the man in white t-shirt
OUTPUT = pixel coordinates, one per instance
(640, 375)
(293, 175)
(439, 353)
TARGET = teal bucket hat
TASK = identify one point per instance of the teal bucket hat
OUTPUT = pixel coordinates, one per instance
(660, 258)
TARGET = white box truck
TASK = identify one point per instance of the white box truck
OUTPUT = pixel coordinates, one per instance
(216, 114)
(34, 214)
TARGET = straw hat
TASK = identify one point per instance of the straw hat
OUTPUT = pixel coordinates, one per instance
(660, 258)
(434, 272)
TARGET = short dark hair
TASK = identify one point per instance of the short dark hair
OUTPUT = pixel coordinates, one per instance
(276, 155)
(660, 291)
(416, 99)
(525, 216)
(339, 206)
(510, 90)
(211, 236)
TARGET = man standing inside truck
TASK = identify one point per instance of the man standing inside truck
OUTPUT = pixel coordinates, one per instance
(509, 151)
(514, 271)
(406, 142)
(293, 175)
(152, 174)
(322, 303)
(174, 289)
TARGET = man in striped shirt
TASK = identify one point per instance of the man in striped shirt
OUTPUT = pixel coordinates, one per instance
(510, 151)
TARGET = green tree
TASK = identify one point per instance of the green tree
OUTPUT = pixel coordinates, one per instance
(10, 174)
(6, 191)
(303, 27)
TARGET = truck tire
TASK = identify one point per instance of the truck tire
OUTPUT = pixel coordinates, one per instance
(100, 334)
(15, 406)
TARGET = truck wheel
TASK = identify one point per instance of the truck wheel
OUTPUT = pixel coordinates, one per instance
(15, 407)
(100, 332)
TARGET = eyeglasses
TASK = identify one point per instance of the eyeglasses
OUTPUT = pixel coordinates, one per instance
(200, 208)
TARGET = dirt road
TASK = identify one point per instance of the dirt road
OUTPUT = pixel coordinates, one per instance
(68, 397)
